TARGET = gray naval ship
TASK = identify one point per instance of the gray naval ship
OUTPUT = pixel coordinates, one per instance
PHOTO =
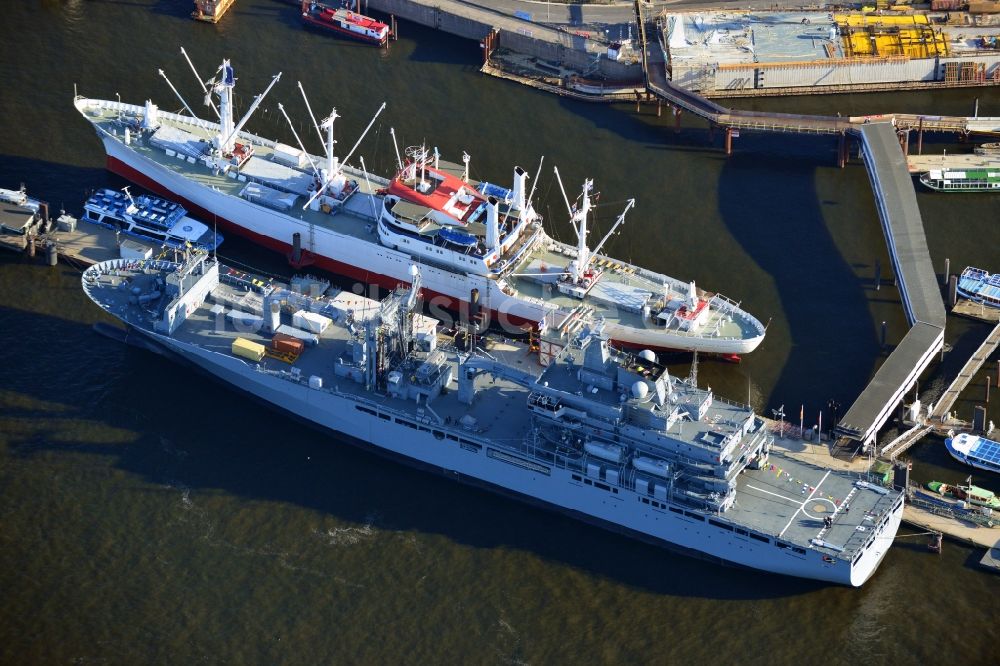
(607, 437)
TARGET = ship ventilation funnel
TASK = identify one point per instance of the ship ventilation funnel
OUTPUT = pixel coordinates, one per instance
(492, 224)
(151, 118)
(518, 192)
(274, 316)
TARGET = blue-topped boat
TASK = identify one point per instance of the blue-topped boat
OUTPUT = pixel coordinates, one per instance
(980, 286)
(976, 451)
(149, 218)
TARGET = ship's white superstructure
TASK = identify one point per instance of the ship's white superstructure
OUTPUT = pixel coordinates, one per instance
(604, 436)
(467, 240)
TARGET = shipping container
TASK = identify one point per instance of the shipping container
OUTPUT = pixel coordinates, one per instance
(248, 349)
(287, 344)
(310, 321)
(305, 337)
(948, 5)
(984, 7)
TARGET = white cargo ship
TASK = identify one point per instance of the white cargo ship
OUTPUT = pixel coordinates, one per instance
(471, 240)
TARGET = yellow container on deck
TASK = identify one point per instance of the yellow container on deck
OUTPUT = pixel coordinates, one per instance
(248, 349)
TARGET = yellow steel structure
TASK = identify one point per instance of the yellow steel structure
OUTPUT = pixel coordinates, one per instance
(872, 36)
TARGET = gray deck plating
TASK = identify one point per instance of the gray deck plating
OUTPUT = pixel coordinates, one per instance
(786, 501)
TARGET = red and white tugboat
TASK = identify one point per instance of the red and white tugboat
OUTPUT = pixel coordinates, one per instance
(345, 22)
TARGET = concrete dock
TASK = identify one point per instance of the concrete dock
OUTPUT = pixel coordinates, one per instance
(991, 560)
(959, 530)
(924, 163)
(88, 245)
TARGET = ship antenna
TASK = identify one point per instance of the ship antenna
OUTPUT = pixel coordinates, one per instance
(535, 184)
(621, 218)
(371, 196)
(204, 89)
(178, 95)
(312, 115)
(399, 160)
(281, 108)
(579, 226)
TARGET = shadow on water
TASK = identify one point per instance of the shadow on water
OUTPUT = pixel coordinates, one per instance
(61, 185)
(264, 455)
(781, 227)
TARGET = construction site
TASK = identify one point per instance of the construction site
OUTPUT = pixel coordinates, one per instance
(741, 54)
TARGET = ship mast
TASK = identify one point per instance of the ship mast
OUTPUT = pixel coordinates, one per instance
(226, 139)
(224, 89)
(582, 252)
(331, 160)
(578, 217)
(335, 165)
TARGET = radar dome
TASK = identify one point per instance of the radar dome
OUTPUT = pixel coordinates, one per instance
(640, 390)
(648, 356)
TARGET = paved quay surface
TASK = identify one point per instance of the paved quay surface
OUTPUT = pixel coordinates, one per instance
(922, 163)
(970, 533)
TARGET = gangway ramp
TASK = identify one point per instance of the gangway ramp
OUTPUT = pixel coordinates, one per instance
(896, 202)
(969, 370)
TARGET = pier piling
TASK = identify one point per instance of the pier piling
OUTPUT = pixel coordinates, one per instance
(878, 275)
(947, 270)
(729, 141)
(978, 418)
(952, 290)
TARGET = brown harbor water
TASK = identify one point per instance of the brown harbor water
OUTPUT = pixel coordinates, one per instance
(150, 516)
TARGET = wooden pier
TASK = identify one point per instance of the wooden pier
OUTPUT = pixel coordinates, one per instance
(973, 310)
(969, 370)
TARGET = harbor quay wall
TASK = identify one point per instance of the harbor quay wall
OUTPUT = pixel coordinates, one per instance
(568, 49)
(759, 76)
(434, 15)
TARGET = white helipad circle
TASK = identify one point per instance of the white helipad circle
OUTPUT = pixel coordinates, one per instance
(817, 509)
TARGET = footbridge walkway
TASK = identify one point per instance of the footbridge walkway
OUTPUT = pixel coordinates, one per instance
(902, 225)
